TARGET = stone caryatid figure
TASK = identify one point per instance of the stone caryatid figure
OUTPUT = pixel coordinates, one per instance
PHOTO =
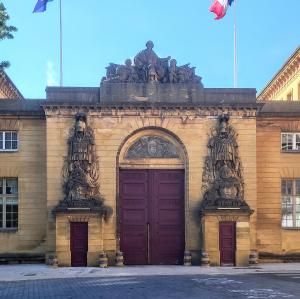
(222, 180)
(81, 171)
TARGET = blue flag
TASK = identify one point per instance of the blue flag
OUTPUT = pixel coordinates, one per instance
(41, 5)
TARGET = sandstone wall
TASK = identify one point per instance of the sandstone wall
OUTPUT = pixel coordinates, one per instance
(28, 164)
(111, 128)
(272, 166)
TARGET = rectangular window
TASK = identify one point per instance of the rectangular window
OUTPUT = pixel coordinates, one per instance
(290, 204)
(8, 203)
(289, 96)
(8, 141)
(290, 142)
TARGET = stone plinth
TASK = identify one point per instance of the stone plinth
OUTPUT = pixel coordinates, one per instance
(149, 92)
(210, 235)
(95, 237)
(179, 94)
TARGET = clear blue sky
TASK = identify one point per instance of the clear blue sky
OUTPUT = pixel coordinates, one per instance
(97, 32)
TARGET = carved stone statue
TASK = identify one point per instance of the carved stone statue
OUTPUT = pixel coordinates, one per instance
(223, 146)
(127, 73)
(222, 180)
(147, 63)
(81, 171)
(173, 77)
(149, 67)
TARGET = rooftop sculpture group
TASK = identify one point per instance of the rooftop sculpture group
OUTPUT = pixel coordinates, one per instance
(148, 67)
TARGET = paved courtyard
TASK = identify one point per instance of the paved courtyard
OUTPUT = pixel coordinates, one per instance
(41, 282)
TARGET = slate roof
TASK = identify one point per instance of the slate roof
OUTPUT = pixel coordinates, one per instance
(279, 109)
(22, 107)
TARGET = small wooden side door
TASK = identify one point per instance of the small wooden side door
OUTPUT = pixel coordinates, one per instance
(227, 235)
(79, 243)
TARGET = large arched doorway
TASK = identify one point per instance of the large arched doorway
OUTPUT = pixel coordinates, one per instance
(151, 201)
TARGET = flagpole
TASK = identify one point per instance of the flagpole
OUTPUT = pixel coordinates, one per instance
(235, 48)
(61, 51)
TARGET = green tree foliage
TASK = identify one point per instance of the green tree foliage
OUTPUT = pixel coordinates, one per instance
(6, 31)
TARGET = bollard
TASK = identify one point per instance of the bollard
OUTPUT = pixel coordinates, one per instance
(253, 258)
(205, 262)
(103, 260)
(119, 259)
(50, 260)
(187, 260)
(55, 262)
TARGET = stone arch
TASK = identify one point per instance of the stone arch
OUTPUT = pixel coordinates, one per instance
(169, 145)
(180, 161)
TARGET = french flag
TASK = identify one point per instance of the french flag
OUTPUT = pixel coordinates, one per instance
(219, 7)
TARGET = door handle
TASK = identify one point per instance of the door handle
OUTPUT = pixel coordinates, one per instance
(148, 243)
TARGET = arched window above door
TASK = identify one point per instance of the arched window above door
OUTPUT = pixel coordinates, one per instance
(151, 147)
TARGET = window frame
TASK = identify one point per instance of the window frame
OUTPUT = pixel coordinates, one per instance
(4, 202)
(2, 146)
(289, 96)
(294, 142)
(293, 196)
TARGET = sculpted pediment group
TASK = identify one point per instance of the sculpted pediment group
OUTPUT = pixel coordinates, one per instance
(147, 67)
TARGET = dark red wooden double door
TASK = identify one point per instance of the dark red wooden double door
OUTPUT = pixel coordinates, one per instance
(227, 231)
(152, 216)
(79, 243)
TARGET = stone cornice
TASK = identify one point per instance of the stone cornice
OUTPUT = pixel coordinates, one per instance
(287, 72)
(8, 88)
(184, 113)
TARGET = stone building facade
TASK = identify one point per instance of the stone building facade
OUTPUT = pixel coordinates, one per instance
(8, 90)
(151, 164)
(285, 84)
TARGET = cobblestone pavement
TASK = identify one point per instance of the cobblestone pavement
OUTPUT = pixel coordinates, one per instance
(275, 285)
(41, 271)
